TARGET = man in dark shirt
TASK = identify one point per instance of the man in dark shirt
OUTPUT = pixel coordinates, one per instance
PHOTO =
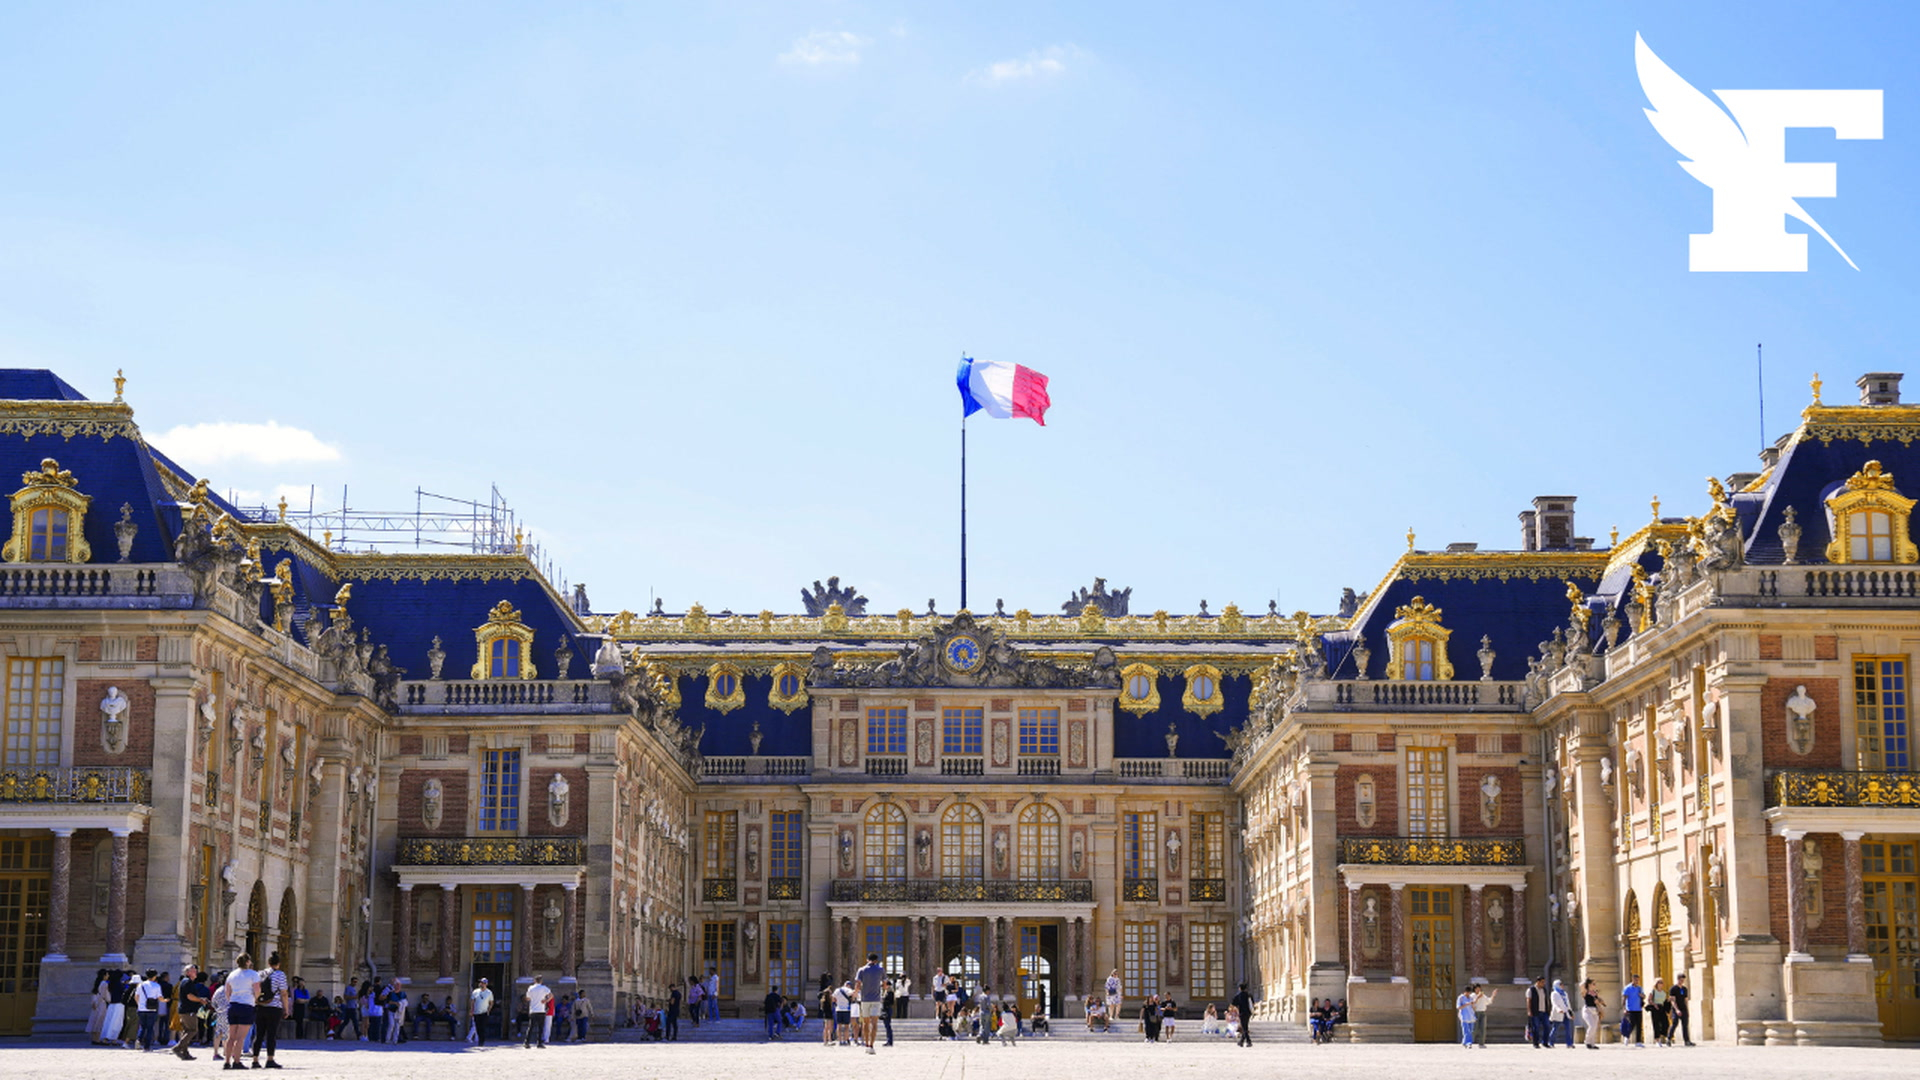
(191, 994)
(1678, 997)
(1243, 1001)
(770, 1008)
(1537, 1013)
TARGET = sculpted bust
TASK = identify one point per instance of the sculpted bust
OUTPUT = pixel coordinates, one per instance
(113, 728)
(1800, 710)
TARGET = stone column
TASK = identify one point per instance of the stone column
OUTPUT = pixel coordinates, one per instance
(1796, 901)
(1397, 929)
(57, 894)
(403, 935)
(1476, 933)
(567, 951)
(1856, 899)
(449, 929)
(990, 955)
(831, 968)
(522, 934)
(116, 952)
(1517, 933)
(1355, 971)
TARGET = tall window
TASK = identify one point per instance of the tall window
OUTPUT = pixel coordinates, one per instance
(889, 939)
(1870, 533)
(1207, 943)
(493, 926)
(783, 958)
(783, 854)
(963, 843)
(500, 791)
(1892, 900)
(1633, 941)
(1416, 659)
(887, 731)
(34, 708)
(1209, 855)
(505, 662)
(1039, 843)
(716, 951)
(1140, 957)
(960, 731)
(1880, 712)
(1426, 791)
(723, 844)
(1139, 846)
(49, 535)
(886, 843)
(1040, 732)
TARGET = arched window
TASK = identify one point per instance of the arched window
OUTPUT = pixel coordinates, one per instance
(1632, 936)
(886, 843)
(1869, 518)
(256, 936)
(1419, 644)
(48, 515)
(288, 925)
(1662, 936)
(1039, 843)
(503, 642)
(963, 846)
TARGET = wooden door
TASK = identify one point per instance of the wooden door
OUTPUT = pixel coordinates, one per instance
(25, 881)
(1891, 885)
(1430, 934)
(1038, 959)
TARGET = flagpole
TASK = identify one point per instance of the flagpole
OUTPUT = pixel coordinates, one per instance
(963, 511)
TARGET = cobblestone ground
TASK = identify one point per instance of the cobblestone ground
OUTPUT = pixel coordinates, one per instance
(1031, 1060)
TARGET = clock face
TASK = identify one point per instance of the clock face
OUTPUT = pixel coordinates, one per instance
(963, 653)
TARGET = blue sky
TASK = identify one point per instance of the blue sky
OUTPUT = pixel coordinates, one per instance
(689, 282)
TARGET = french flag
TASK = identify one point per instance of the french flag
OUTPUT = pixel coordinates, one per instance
(1004, 390)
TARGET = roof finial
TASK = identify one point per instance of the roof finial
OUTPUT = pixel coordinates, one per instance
(1409, 538)
(119, 384)
(283, 509)
(1614, 539)
(1816, 387)
(1656, 509)
(326, 539)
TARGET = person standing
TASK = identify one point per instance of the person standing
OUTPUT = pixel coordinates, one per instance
(871, 977)
(300, 1002)
(1482, 1000)
(582, 1012)
(480, 1006)
(1633, 1001)
(1559, 1015)
(1537, 1013)
(1113, 994)
(1679, 1000)
(146, 1001)
(537, 997)
(396, 1012)
(889, 1000)
(1593, 1011)
(696, 1000)
(673, 1016)
(1243, 1003)
(274, 1002)
(770, 1010)
(243, 988)
(1463, 1007)
(712, 989)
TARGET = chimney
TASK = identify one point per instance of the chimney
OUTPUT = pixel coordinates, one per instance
(1879, 388)
(1549, 525)
(1528, 542)
(1458, 546)
(1771, 455)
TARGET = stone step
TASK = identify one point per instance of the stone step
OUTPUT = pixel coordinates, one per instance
(922, 1029)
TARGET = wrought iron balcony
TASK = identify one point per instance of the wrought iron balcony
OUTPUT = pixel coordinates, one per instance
(103, 784)
(1141, 890)
(783, 888)
(1434, 851)
(1206, 888)
(934, 892)
(1838, 787)
(492, 851)
(714, 889)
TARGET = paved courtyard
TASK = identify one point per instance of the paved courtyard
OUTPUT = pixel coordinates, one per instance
(1116, 1060)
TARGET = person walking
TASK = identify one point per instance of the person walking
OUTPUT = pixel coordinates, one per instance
(1593, 1011)
(1657, 1011)
(480, 1011)
(243, 989)
(1243, 1003)
(537, 997)
(189, 997)
(275, 999)
(1150, 1018)
(1009, 1023)
(1559, 1015)
(1537, 1013)
(770, 1011)
(1463, 1009)
(1679, 999)
(146, 1002)
(1633, 1001)
(871, 978)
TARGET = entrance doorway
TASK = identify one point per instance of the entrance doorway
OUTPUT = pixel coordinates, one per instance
(26, 878)
(960, 951)
(492, 949)
(1430, 937)
(1039, 953)
(888, 940)
(1891, 885)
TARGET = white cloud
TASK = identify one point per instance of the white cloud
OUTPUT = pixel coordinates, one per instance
(825, 47)
(1048, 63)
(261, 444)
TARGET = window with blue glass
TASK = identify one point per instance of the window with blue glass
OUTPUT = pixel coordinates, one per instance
(505, 659)
(961, 730)
(1040, 732)
(724, 684)
(783, 855)
(887, 730)
(500, 791)
(1880, 713)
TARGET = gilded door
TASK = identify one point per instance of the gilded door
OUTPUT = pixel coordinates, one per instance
(1431, 945)
(1039, 949)
(1891, 885)
(25, 881)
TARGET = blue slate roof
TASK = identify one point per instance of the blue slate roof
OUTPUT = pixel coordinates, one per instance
(36, 384)
(727, 735)
(1145, 736)
(1517, 614)
(1808, 473)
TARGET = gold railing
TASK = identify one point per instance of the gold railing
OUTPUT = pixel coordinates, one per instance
(1206, 888)
(714, 889)
(1837, 787)
(492, 851)
(783, 888)
(1434, 851)
(105, 784)
(1140, 890)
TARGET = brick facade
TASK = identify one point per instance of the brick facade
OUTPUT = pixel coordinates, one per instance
(1471, 824)
(453, 802)
(539, 821)
(1386, 813)
(1831, 933)
(88, 747)
(1776, 744)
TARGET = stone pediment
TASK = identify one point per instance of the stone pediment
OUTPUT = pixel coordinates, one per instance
(963, 654)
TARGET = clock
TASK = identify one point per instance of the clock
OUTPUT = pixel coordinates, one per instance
(963, 652)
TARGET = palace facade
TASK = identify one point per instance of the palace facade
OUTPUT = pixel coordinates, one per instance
(1684, 752)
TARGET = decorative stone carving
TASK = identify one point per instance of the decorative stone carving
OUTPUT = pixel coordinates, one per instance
(923, 850)
(984, 659)
(752, 932)
(1370, 925)
(1800, 710)
(607, 662)
(1173, 852)
(1109, 604)
(425, 931)
(559, 796)
(1490, 800)
(1610, 627)
(1496, 926)
(1486, 656)
(1685, 884)
(563, 659)
(113, 726)
(846, 853)
(550, 917)
(124, 531)
(753, 738)
(1000, 852)
(819, 598)
(1811, 865)
(1173, 740)
(431, 795)
(1079, 851)
(753, 852)
(1362, 658)
(1636, 774)
(1365, 800)
(1789, 532)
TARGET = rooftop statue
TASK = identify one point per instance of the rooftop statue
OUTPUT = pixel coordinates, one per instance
(1110, 604)
(821, 597)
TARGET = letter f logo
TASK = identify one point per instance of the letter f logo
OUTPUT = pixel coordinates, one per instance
(1743, 158)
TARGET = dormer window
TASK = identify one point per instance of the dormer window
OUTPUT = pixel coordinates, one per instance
(503, 645)
(1139, 689)
(1203, 690)
(1419, 644)
(789, 690)
(724, 690)
(1870, 520)
(47, 518)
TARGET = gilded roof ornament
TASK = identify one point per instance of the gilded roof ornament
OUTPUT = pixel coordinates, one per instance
(1409, 538)
(1418, 619)
(120, 384)
(1656, 508)
(49, 474)
(1816, 387)
(1871, 477)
